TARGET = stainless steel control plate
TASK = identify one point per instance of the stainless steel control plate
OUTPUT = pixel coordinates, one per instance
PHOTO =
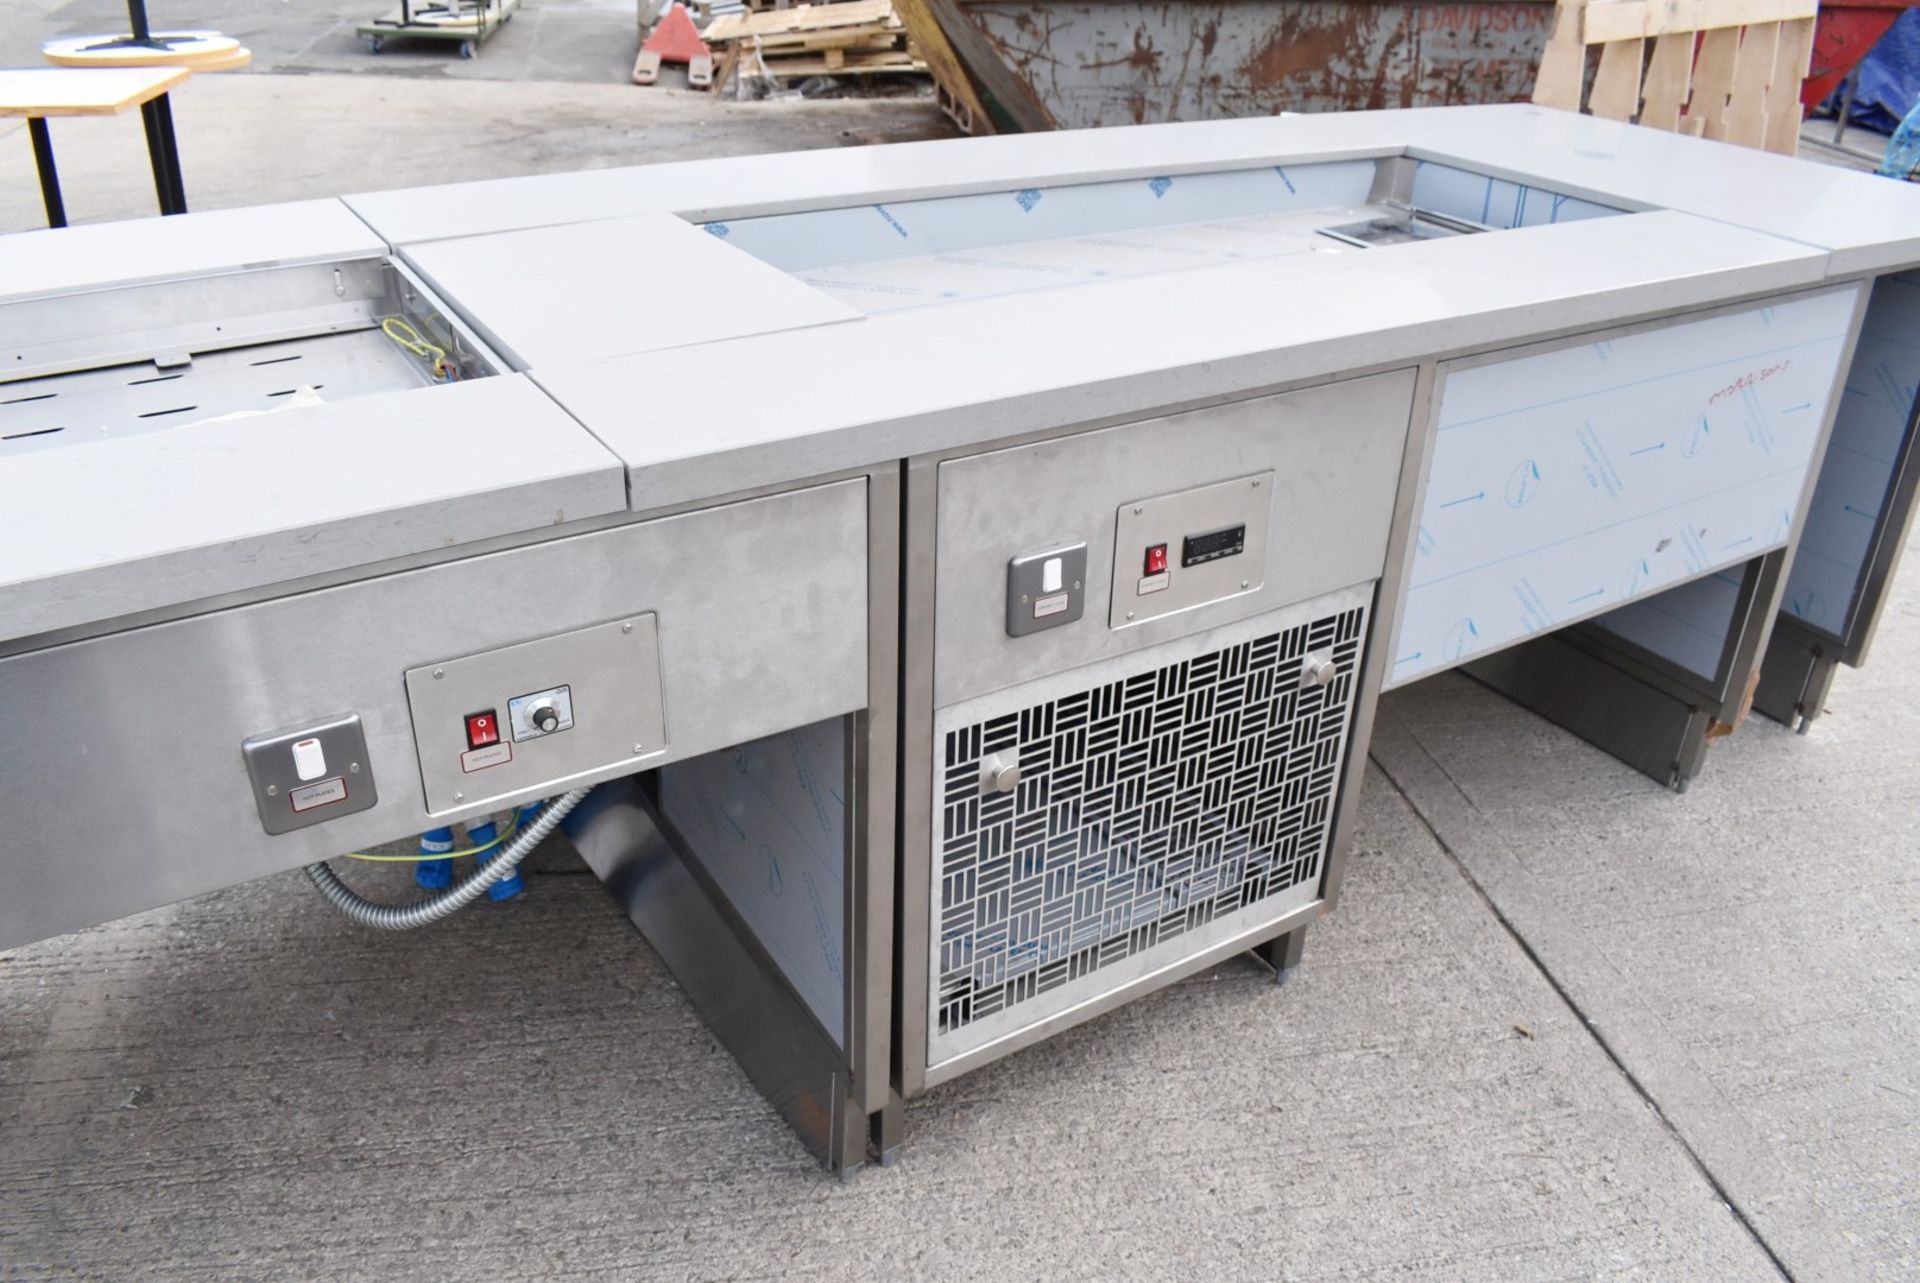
(1211, 541)
(602, 683)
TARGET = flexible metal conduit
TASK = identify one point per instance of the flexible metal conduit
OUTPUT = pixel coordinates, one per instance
(405, 917)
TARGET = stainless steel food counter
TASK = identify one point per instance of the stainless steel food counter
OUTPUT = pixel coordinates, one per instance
(964, 572)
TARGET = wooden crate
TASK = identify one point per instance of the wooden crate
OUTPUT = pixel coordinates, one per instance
(1723, 69)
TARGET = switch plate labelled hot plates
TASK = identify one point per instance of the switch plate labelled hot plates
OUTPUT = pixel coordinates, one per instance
(310, 773)
(602, 682)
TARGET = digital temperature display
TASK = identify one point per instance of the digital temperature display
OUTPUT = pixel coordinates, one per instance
(1215, 544)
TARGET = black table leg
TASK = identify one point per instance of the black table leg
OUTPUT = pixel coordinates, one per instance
(49, 177)
(165, 105)
(154, 156)
(142, 36)
(157, 115)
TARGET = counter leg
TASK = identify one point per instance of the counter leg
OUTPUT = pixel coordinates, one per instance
(889, 1131)
(1283, 953)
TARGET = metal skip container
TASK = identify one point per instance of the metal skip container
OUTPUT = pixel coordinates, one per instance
(1034, 64)
(1079, 65)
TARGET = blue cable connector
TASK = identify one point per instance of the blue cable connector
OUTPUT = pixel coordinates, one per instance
(434, 874)
(513, 884)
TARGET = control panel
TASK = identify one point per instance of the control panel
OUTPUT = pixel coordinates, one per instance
(540, 714)
(545, 712)
(309, 773)
(1177, 551)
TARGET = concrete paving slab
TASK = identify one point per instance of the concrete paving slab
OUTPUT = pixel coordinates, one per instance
(1748, 951)
(245, 1086)
(575, 40)
(247, 140)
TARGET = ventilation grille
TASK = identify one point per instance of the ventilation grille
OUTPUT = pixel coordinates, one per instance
(1147, 807)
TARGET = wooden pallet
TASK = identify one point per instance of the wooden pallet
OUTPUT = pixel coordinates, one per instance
(797, 24)
(858, 63)
(953, 87)
(859, 37)
(1723, 69)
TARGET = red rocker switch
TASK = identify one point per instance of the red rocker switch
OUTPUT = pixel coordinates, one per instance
(482, 729)
(1156, 560)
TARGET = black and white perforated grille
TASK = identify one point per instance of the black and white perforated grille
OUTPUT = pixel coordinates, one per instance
(1147, 807)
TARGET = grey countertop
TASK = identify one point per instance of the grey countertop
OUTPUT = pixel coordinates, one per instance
(908, 382)
(706, 371)
(547, 296)
(97, 530)
(67, 260)
(1870, 223)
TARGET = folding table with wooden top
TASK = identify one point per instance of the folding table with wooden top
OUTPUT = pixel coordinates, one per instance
(42, 92)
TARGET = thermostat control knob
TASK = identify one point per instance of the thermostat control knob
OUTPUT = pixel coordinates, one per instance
(544, 716)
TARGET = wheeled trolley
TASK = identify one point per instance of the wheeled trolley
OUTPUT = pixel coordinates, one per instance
(468, 22)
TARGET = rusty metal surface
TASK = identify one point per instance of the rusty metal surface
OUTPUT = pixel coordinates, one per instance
(1102, 63)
